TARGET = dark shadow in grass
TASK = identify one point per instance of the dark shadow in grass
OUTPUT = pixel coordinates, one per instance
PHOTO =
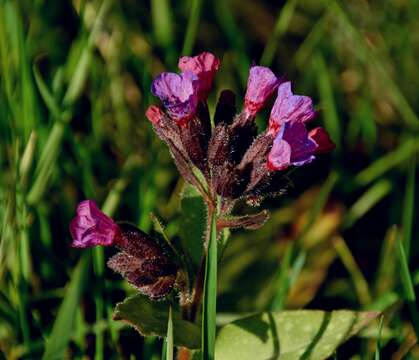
(256, 326)
(261, 328)
(275, 337)
(316, 339)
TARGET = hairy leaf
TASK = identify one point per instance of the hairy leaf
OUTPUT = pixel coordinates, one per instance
(302, 334)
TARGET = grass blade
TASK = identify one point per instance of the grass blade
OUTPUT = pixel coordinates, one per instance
(388, 161)
(209, 308)
(169, 337)
(407, 283)
(366, 201)
(360, 283)
(192, 28)
(377, 347)
(61, 331)
(328, 103)
(281, 27)
(409, 206)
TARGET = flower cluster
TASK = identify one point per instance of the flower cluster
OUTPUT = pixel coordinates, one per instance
(235, 161)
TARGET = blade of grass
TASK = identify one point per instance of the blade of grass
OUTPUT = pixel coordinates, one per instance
(281, 26)
(52, 147)
(191, 30)
(387, 162)
(61, 332)
(366, 53)
(361, 285)
(366, 201)
(409, 206)
(209, 308)
(408, 288)
(283, 281)
(47, 96)
(331, 118)
(377, 346)
(169, 336)
(319, 203)
(161, 14)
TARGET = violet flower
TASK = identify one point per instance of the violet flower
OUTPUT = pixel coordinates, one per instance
(91, 227)
(261, 84)
(179, 94)
(292, 146)
(204, 66)
(289, 107)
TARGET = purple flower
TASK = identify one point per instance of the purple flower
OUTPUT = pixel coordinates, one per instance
(179, 94)
(91, 227)
(261, 85)
(292, 146)
(204, 66)
(289, 107)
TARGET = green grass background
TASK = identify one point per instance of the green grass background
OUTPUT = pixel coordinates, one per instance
(74, 85)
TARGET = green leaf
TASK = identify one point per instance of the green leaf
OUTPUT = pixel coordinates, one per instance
(61, 331)
(301, 334)
(192, 223)
(151, 318)
(209, 308)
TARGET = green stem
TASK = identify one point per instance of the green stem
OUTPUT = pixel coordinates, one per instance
(209, 308)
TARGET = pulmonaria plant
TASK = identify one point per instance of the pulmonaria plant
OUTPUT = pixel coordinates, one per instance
(225, 159)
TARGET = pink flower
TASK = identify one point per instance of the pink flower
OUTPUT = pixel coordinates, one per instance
(91, 227)
(204, 66)
(261, 85)
(292, 146)
(179, 94)
(322, 140)
(289, 107)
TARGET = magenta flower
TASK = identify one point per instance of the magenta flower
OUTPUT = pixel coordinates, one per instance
(179, 94)
(322, 140)
(91, 227)
(261, 84)
(289, 107)
(204, 66)
(292, 146)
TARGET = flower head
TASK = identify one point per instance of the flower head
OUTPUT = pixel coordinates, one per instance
(290, 108)
(204, 66)
(179, 94)
(261, 84)
(292, 146)
(91, 227)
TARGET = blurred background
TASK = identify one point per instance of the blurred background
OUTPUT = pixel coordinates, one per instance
(74, 84)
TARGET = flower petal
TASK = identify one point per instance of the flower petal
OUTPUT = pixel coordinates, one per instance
(204, 65)
(178, 92)
(279, 158)
(290, 107)
(322, 140)
(261, 85)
